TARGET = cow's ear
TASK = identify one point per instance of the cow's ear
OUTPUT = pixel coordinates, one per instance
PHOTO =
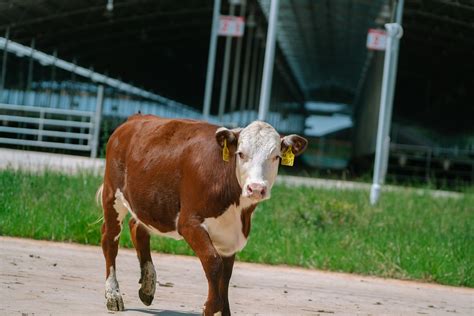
(230, 135)
(298, 144)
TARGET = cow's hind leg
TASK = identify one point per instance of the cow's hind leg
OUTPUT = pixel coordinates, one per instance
(141, 241)
(114, 212)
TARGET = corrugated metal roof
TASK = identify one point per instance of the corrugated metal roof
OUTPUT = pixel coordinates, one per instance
(324, 40)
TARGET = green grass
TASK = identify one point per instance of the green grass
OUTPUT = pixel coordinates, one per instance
(406, 236)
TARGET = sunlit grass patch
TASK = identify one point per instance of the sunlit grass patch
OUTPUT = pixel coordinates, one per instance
(407, 235)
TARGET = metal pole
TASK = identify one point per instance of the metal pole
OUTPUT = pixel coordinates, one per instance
(225, 71)
(30, 74)
(53, 79)
(261, 60)
(268, 64)
(4, 61)
(97, 119)
(394, 33)
(245, 77)
(211, 60)
(30, 66)
(236, 74)
(253, 75)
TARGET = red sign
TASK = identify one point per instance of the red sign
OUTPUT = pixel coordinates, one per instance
(231, 26)
(376, 39)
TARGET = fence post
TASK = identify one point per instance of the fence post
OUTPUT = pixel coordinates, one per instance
(41, 126)
(97, 119)
(4, 63)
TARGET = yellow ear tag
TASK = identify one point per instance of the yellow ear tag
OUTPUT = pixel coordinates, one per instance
(225, 152)
(288, 158)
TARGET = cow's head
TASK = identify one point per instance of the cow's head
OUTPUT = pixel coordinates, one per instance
(258, 149)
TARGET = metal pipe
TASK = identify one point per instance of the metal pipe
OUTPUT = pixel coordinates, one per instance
(29, 78)
(97, 120)
(245, 77)
(4, 61)
(211, 60)
(30, 65)
(236, 74)
(394, 33)
(269, 61)
(225, 71)
(53, 78)
(253, 75)
(261, 62)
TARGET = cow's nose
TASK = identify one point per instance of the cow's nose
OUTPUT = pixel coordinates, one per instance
(257, 190)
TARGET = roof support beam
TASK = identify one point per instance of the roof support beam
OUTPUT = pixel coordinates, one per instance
(48, 18)
(265, 91)
(440, 18)
(211, 60)
(49, 60)
(455, 4)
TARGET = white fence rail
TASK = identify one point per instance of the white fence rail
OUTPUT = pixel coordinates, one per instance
(51, 128)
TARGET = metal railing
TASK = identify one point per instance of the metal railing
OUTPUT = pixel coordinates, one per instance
(50, 127)
(413, 161)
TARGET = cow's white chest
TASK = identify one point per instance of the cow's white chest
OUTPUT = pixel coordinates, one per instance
(225, 231)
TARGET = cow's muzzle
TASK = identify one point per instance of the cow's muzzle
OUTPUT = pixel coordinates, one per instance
(256, 191)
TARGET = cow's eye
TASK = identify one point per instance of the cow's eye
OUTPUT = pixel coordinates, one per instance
(241, 155)
(276, 158)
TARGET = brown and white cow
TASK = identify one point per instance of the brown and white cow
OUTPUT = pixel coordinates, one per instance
(171, 177)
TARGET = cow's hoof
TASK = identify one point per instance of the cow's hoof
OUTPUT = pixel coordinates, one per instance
(114, 302)
(145, 298)
(148, 281)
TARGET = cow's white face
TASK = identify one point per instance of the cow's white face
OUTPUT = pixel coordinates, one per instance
(258, 157)
(257, 149)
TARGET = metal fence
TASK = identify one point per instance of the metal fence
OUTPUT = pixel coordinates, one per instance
(52, 128)
(431, 163)
(51, 103)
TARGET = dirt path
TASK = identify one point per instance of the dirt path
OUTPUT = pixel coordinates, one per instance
(39, 277)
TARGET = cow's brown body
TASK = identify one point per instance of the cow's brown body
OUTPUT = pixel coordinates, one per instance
(171, 176)
(165, 167)
(168, 166)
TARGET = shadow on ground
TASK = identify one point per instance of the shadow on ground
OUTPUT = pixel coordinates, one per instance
(160, 312)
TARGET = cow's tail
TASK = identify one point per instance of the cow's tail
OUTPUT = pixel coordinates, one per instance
(98, 200)
(98, 195)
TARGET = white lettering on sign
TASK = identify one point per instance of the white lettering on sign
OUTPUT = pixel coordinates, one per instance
(231, 26)
(376, 39)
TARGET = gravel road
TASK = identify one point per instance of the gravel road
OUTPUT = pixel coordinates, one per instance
(50, 278)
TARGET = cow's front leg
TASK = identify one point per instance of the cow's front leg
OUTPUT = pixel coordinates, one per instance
(224, 283)
(199, 240)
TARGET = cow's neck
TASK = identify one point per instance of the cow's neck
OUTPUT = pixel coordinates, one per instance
(246, 218)
(230, 190)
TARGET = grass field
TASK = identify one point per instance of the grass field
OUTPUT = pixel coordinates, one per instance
(407, 236)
